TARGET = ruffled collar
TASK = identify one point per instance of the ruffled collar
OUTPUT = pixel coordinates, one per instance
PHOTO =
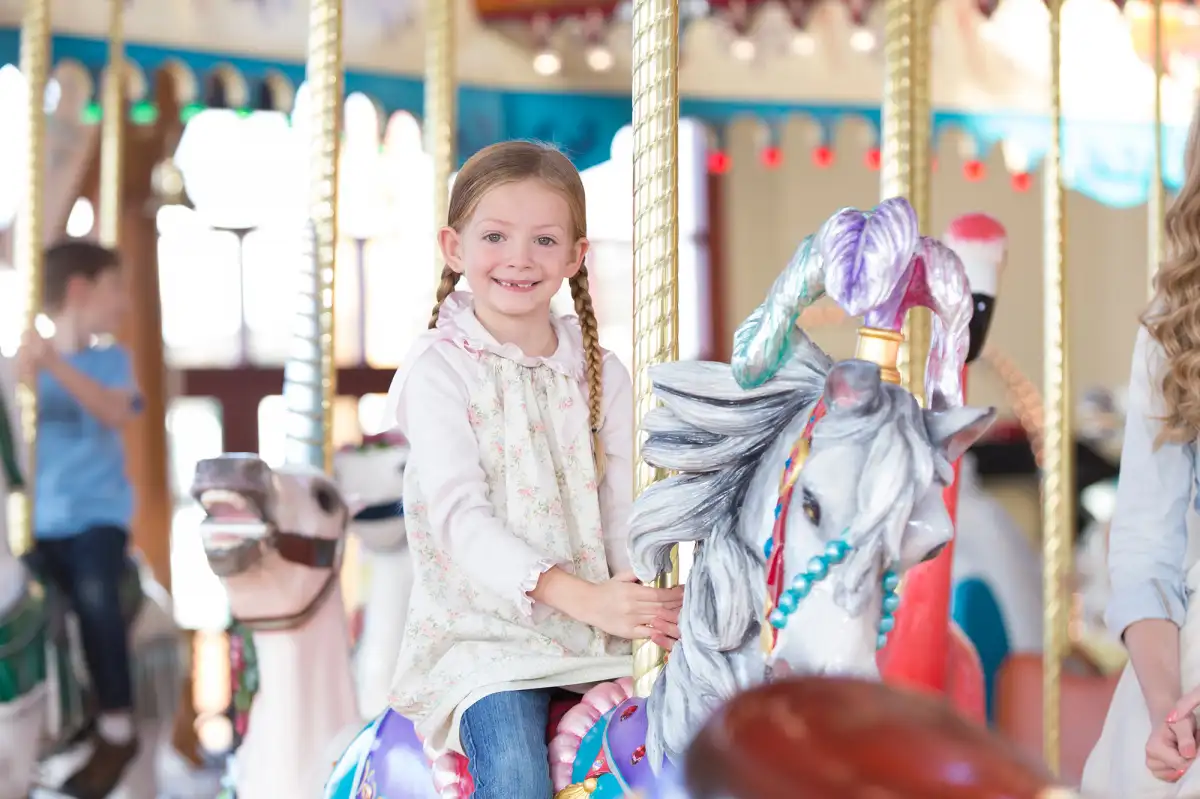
(458, 323)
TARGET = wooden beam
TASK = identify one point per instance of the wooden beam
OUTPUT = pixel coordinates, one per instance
(239, 391)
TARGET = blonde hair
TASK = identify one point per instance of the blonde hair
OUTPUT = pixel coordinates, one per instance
(511, 162)
(1173, 317)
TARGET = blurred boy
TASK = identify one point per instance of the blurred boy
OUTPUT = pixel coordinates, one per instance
(83, 500)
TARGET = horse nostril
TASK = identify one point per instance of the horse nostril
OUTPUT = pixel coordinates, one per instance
(933, 553)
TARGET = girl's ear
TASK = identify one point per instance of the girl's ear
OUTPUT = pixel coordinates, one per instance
(451, 245)
(581, 250)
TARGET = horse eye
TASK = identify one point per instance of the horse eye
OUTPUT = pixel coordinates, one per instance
(812, 509)
(326, 500)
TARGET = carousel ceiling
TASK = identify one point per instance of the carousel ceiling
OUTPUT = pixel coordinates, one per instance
(559, 69)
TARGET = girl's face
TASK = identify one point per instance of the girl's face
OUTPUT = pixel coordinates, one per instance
(516, 249)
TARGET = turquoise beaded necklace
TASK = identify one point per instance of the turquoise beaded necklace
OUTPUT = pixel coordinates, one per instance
(818, 569)
(781, 602)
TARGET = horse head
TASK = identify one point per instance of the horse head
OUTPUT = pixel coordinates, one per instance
(865, 507)
(273, 536)
(371, 476)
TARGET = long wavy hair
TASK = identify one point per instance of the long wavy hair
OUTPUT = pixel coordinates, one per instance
(1173, 317)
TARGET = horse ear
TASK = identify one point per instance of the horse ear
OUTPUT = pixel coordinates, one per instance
(851, 385)
(953, 431)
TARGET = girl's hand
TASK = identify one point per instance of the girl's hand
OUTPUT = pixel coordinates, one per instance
(665, 629)
(624, 608)
(1172, 744)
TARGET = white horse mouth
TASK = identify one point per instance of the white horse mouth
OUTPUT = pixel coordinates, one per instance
(229, 507)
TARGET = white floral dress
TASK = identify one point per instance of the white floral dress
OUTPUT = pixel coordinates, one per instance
(500, 487)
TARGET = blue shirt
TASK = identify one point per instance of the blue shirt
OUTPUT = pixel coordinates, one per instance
(1148, 539)
(81, 481)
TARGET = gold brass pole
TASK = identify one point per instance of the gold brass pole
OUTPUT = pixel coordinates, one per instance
(440, 106)
(655, 242)
(324, 75)
(917, 326)
(28, 245)
(1156, 203)
(1057, 471)
(905, 156)
(895, 163)
(113, 127)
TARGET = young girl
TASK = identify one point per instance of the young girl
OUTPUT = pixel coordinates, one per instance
(519, 480)
(1148, 747)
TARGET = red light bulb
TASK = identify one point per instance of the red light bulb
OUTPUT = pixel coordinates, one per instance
(718, 162)
(772, 157)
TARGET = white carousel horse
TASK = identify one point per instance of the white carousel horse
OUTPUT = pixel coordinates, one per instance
(996, 574)
(371, 477)
(825, 544)
(997, 577)
(275, 539)
(997, 571)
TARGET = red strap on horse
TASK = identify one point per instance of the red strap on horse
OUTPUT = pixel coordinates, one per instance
(775, 576)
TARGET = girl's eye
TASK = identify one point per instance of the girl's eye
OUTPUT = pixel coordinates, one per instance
(812, 509)
(546, 241)
(494, 238)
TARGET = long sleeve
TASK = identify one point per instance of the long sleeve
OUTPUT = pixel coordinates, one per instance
(433, 414)
(1148, 538)
(616, 491)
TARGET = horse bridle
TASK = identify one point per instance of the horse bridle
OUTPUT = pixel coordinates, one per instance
(303, 550)
(792, 468)
(382, 512)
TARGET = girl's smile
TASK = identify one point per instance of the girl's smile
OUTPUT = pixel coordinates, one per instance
(519, 286)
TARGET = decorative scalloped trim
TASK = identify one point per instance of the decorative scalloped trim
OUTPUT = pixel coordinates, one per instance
(578, 720)
(452, 778)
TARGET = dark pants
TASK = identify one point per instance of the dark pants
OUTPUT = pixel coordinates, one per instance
(87, 569)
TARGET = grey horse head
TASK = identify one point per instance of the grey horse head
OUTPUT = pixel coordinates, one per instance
(873, 478)
(871, 494)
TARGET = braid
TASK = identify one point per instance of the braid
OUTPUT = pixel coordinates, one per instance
(449, 281)
(593, 362)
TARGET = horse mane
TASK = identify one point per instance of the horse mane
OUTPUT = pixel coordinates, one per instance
(714, 434)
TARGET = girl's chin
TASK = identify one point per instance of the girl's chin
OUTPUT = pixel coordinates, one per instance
(515, 301)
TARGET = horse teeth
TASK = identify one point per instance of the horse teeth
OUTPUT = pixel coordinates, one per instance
(221, 496)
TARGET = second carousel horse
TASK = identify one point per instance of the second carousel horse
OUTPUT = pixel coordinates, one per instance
(371, 476)
(275, 539)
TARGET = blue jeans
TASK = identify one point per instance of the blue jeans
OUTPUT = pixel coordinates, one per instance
(504, 736)
(87, 568)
